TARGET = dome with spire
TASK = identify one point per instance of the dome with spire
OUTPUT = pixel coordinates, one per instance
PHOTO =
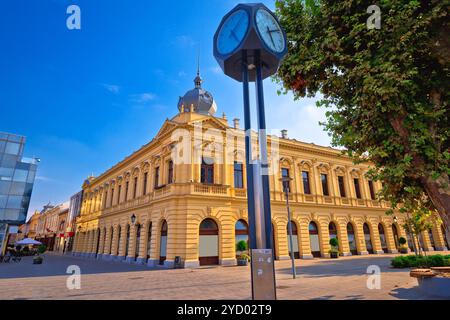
(198, 99)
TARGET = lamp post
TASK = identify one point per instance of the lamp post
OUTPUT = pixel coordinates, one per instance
(286, 181)
(133, 219)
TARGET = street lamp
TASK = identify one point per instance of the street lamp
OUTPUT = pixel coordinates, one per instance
(286, 182)
(133, 219)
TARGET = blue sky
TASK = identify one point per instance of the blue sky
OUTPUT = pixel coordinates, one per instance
(85, 99)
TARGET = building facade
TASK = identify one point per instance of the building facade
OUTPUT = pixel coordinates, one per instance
(74, 213)
(184, 195)
(17, 176)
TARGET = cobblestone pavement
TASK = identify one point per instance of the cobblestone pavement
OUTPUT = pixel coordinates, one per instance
(345, 278)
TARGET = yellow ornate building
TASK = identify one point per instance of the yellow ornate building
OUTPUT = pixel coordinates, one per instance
(184, 195)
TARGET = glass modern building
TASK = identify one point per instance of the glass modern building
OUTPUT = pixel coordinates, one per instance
(16, 183)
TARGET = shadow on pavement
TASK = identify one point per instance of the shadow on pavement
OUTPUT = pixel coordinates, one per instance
(340, 267)
(54, 265)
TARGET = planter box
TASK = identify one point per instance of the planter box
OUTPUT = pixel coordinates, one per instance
(242, 262)
(334, 255)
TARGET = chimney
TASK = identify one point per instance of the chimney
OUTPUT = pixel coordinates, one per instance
(284, 134)
(236, 123)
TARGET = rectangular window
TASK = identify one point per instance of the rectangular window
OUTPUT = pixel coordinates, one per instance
(306, 185)
(170, 173)
(156, 182)
(284, 175)
(127, 185)
(238, 175)
(106, 197)
(357, 188)
(135, 187)
(207, 171)
(324, 179)
(144, 186)
(341, 186)
(112, 197)
(372, 190)
(118, 193)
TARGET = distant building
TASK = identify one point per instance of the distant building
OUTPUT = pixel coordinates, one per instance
(74, 212)
(17, 176)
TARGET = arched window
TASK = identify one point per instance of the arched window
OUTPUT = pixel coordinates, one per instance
(149, 240)
(367, 238)
(209, 243)
(138, 239)
(241, 232)
(294, 240)
(314, 240)
(163, 243)
(351, 239)
(382, 238)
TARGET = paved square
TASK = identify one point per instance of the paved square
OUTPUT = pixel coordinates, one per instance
(345, 278)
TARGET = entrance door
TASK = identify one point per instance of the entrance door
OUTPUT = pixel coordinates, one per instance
(209, 243)
(382, 238)
(314, 240)
(367, 238)
(351, 239)
(294, 240)
(163, 243)
(138, 240)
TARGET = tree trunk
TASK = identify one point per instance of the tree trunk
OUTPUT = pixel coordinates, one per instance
(439, 193)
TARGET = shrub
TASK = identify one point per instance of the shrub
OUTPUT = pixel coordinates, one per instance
(42, 248)
(413, 261)
(402, 241)
(241, 245)
(334, 242)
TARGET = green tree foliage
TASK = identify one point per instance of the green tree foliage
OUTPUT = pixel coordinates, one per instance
(387, 89)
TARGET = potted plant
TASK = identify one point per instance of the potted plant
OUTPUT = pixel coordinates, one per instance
(403, 248)
(38, 259)
(334, 252)
(243, 258)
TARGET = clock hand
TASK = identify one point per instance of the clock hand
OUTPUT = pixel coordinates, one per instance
(270, 34)
(234, 36)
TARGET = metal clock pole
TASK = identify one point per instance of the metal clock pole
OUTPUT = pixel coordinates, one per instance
(263, 163)
(248, 153)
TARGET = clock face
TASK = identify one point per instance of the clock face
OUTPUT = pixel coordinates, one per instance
(233, 32)
(270, 31)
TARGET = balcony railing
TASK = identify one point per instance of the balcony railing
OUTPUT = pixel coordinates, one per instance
(212, 190)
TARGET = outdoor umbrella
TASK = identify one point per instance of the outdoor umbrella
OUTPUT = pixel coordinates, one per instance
(27, 241)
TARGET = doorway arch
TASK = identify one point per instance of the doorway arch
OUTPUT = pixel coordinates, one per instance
(314, 239)
(127, 243)
(209, 243)
(351, 239)
(382, 238)
(294, 240)
(163, 243)
(368, 238)
(111, 232)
